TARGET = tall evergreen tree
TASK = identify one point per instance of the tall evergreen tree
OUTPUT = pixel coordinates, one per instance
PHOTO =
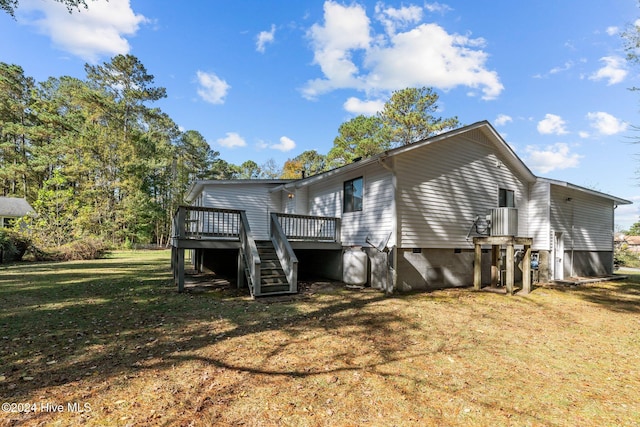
(16, 119)
(409, 117)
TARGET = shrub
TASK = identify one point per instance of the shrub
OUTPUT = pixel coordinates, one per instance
(86, 248)
(625, 257)
(13, 245)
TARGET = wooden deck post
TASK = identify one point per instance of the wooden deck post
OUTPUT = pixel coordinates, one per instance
(180, 272)
(240, 276)
(526, 270)
(477, 267)
(510, 267)
(495, 268)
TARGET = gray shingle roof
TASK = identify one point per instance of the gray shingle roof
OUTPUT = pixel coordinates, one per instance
(14, 207)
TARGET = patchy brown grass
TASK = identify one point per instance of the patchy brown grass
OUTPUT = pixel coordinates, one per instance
(114, 335)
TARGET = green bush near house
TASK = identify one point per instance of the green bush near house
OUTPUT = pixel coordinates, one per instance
(13, 245)
(624, 257)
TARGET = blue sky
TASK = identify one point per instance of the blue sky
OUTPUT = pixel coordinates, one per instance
(268, 80)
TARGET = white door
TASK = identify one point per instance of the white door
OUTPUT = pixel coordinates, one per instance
(558, 255)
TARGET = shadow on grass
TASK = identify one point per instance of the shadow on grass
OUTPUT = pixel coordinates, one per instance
(111, 320)
(618, 296)
(60, 323)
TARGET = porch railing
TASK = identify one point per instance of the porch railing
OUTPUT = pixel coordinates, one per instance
(287, 257)
(310, 228)
(249, 251)
(197, 222)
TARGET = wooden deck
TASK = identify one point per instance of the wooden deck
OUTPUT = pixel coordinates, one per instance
(198, 228)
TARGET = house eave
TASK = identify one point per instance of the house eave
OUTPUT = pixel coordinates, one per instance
(616, 200)
(484, 126)
(197, 186)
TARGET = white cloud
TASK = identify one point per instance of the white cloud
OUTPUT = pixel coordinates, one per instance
(614, 71)
(437, 7)
(286, 144)
(567, 66)
(425, 55)
(613, 31)
(358, 106)
(212, 88)
(392, 18)
(552, 124)
(606, 124)
(88, 33)
(502, 120)
(346, 28)
(265, 37)
(232, 140)
(552, 157)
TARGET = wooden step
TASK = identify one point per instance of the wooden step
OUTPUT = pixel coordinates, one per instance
(269, 289)
(271, 272)
(269, 264)
(274, 281)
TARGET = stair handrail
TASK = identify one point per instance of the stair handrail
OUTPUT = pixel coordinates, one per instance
(287, 257)
(250, 254)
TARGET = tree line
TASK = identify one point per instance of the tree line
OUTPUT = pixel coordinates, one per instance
(95, 158)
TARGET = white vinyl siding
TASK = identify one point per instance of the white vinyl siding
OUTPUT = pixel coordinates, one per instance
(445, 185)
(376, 218)
(253, 198)
(294, 201)
(585, 220)
(539, 212)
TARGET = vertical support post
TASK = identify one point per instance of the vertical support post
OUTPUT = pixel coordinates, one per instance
(199, 255)
(180, 269)
(495, 269)
(182, 221)
(240, 276)
(510, 267)
(477, 267)
(526, 270)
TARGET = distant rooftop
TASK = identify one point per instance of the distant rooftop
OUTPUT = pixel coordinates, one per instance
(14, 207)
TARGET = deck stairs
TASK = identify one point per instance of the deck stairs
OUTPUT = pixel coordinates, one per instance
(273, 279)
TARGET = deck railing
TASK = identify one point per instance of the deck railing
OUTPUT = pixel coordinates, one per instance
(310, 228)
(197, 222)
(249, 251)
(287, 257)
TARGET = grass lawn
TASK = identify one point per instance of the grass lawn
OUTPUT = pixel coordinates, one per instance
(110, 342)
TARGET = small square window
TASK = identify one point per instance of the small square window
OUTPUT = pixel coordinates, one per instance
(506, 198)
(353, 195)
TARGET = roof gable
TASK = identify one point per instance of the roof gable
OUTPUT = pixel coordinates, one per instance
(480, 132)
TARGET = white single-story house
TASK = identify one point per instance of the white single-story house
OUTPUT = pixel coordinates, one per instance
(406, 219)
(12, 208)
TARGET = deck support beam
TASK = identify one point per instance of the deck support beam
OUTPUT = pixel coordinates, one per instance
(180, 269)
(496, 242)
(240, 277)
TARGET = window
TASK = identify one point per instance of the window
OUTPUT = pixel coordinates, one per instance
(353, 195)
(506, 198)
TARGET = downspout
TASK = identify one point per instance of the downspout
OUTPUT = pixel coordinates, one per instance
(573, 227)
(570, 201)
(393, 267)
(613, 239)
